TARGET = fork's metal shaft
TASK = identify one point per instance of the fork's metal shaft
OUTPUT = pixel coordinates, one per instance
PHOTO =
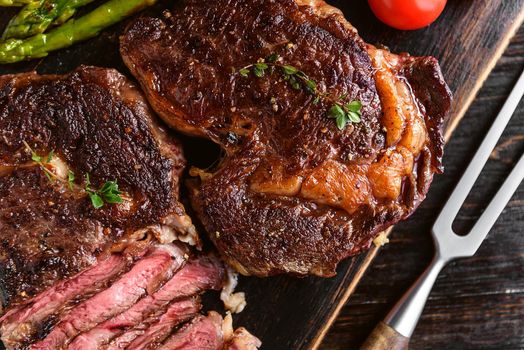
(405, 314)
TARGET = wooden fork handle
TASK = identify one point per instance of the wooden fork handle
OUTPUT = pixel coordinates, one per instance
(384, 337)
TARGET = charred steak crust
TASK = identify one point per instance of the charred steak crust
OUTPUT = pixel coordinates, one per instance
(294, 194)
(96, 122)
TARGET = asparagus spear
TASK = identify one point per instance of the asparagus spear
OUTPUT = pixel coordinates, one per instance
(75, 30)
(37, 16)
(14, 2)
(69, 10)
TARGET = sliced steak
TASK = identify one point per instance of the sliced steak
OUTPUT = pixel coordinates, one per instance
(158, 331)
(195, 277)
(21, 324)
(294, 193)
(199, 274)
(145, 277)
(203, 333)
(95, 122)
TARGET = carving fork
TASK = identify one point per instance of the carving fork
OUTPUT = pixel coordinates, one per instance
(394, 331)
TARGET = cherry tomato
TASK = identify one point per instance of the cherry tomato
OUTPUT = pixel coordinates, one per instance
(407, 14)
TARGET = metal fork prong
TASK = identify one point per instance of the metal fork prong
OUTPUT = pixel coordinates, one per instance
(442, 227)
(495, 207)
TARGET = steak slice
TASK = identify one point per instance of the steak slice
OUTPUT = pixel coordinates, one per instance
(95, 122)
(202, 333)
(124, 340)
(195, 277)
(129, 330)
(158, 331)
(294, 193)
(145, 277)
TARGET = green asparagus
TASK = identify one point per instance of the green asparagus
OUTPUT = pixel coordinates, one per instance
(37, 16)
(14, 2)
(70, 10)
(75, 30)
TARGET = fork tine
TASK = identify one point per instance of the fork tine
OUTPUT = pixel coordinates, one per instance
(442, 231)
(495, 207)
(477, 163)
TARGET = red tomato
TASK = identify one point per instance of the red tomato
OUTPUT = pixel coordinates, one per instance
(407, 14)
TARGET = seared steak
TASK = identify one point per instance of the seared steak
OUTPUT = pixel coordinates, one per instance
(157, 290)
(76, 273)
(294, 193)
(90, 122)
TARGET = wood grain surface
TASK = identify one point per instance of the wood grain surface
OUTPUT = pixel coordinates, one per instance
(289, 313)
(477, 303)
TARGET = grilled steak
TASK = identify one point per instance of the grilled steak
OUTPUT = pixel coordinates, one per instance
(294, 193)
(74, 274)
(92, 121)
(157, 290)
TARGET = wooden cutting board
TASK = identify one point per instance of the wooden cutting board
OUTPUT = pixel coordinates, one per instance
(290, 313)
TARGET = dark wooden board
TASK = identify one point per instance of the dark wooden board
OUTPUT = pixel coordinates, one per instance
(289, 313)
(477, 303)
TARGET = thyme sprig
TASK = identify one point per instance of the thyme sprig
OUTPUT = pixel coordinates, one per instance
(295, 77)
(39, 160)
(343, 112)
(107, 193)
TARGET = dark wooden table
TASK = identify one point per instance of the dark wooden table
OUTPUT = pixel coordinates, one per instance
(477, 303)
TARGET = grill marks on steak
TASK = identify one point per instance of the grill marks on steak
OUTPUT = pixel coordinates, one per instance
(294, 193)
(195, 277)
(96, 122)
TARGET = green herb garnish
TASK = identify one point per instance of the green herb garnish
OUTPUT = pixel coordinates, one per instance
(39, 160)
(107, 193)
(298, 80)
(349, 112)
(70, 179)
